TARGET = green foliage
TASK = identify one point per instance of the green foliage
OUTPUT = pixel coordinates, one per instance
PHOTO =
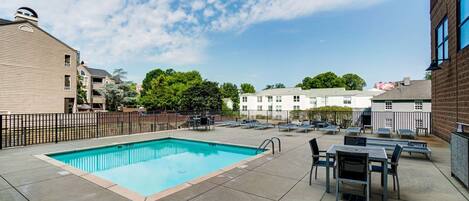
(114, 96)
(81, 92)
(323, 80)
(247, 88)
(349, 81)
(275, 86)
(119, 75)
(130, 94)
(428, 76)
(230, 90)
(163, 90)
(353, 82)
(202, 96)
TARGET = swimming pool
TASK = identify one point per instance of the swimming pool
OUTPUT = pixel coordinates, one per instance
(154, 166)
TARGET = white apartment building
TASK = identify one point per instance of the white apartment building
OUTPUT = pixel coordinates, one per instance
(286, 99)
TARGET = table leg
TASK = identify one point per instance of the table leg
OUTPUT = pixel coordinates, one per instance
(385, 180)
(328, 190)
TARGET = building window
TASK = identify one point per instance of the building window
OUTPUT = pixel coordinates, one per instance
(82, 73)
(259, 108)
(97, 80)
(245, 108)
(278, 108)
(259, 99)
(442, 40)
(313, 101)
(388, 123)
(67, 60)
(418, 105)
(278, 99)
(388, 105)
(419, 123)
(245, 99)
(270, 108)
(68, 82)
(463, 23)
(347, 100)
(269, 99)
(296, 98)
(296, 107)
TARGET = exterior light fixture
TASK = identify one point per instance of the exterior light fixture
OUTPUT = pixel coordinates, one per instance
(434, 65)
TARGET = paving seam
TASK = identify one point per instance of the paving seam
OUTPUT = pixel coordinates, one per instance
(293, 186)
(454, 185)
(15, 188)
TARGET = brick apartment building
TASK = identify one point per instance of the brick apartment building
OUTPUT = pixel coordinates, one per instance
(450, 65)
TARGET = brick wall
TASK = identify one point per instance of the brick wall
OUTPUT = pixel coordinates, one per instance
(450, 85)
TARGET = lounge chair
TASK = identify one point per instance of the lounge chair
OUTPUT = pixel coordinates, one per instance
(226, 123)
(331, 128)
(354, 130)
(305, 127)
(384, 132)
(263, 126)
(235, 124)
(410, 146)
(404, 132)
(250, 124)
(287, 127)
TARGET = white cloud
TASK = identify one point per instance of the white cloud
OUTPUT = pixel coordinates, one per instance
(166, 31)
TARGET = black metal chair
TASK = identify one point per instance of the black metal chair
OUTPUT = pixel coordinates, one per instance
(353, 168)
(396, 154)
(355, 141)
(313, 144)
(205, 121)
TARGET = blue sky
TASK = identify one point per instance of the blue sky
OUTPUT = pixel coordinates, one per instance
(255, 41)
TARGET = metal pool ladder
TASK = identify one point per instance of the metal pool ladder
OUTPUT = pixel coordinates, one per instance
(271, 141)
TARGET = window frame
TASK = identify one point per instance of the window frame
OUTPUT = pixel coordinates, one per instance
(244, 107)
(418, 105)
(296, 107)
(67, 63)
(69, 87)
(259, 99)
(296, 99)
(278, 99)
(386, 105)
(461, 23)
(347, 100)
(445, 40)
(270, 99)
(259, 108)
(244, 99)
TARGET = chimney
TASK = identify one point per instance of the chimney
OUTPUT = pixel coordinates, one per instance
(406, 81)
(28, 14)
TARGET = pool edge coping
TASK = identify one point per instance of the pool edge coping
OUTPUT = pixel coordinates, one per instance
(129, 194)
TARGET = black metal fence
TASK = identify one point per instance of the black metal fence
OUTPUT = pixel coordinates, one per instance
(29, 129)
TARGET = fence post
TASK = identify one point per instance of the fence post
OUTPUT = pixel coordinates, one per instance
(130, 123)
(1, 131)
(267, 116)
(288, 119)
(97, 124)
(56, 128)
(176, 120)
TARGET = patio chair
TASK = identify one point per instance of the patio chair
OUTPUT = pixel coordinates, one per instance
(384, 132)
(263, 126)
(396, 154)
(404, 132)
(287, 127)
(352, 167)
(317, 162)
(355, 141)
(305, 127)
(353, 130)
(205, 122)
(331, 128)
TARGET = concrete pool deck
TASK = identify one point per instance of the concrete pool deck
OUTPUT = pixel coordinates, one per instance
(283, 176)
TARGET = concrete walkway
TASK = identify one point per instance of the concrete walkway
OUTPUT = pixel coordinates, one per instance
(280, 177)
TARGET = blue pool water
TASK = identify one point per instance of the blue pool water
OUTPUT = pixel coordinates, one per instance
(153, 166)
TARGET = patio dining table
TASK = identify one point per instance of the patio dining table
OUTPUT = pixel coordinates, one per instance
(375, 154)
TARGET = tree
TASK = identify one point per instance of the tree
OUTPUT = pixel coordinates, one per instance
(203, 96)
(81, 93)
(119, 75)
(275, 86)
(428, 76)
(113, 95)
(130, 94)
(230, 90)
(163, 89)
(247, 88)
(323, 80)
(353, 82)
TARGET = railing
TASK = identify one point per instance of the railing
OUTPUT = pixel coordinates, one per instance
(29, 129)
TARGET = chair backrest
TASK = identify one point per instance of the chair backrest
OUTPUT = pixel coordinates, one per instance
(396, 154)
(313, 144)
(204, 120)
(355, 141)
(352, 165)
